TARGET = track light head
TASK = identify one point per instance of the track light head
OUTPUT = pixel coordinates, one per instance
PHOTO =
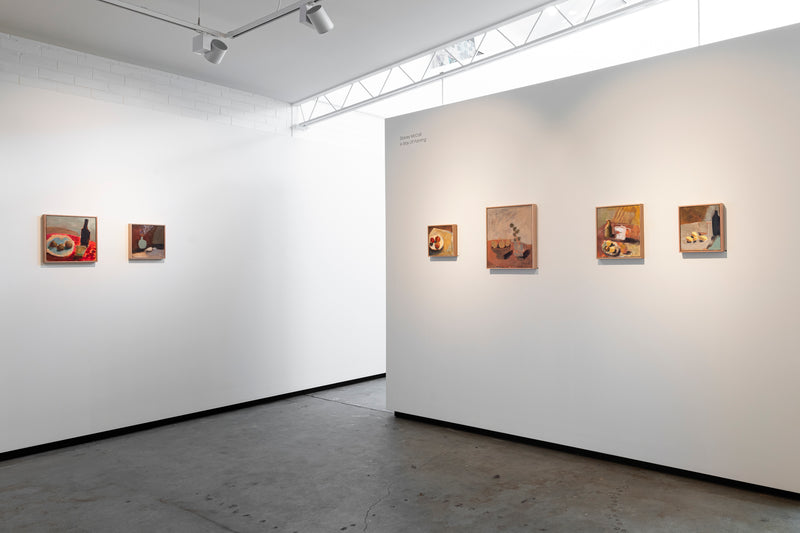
(314, 15)
(216, 52)
(212, 49)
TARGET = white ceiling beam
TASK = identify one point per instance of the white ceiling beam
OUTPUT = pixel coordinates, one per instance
(629, 6)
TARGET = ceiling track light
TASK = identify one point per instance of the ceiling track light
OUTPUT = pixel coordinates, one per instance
(208, 41)
(209, 47)
(314, 15)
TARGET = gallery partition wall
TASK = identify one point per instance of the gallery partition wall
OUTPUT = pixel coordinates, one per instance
(273, 278)
(687, 360)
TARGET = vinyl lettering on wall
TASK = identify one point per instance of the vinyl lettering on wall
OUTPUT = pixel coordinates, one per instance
(413, 138)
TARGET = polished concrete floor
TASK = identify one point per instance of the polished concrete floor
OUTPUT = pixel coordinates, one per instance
(338, 461)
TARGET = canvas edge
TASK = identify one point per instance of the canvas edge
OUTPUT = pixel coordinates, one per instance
(535, 236)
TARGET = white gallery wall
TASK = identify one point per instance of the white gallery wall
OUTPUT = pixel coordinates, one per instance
(273, 281)
(684, 361)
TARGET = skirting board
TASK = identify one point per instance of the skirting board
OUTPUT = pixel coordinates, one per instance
(606, 457)
(32, 450)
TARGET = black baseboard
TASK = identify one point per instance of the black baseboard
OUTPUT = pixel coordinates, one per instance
(607, 457)
(50, 446)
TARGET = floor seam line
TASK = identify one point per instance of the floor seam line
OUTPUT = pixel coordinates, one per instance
(350, 404)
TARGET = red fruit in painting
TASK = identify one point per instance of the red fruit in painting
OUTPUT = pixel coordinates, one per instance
(432, 240)
(438, 238)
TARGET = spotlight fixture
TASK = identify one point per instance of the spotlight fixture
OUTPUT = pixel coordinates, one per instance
(314, 15)
(212, 49)
(217, 51)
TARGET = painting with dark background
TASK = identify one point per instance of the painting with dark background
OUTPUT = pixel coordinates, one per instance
(146, 241)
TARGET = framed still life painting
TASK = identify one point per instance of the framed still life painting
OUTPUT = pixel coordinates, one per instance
(69, 239)
(511, 236)
(702, 228)
(443, 240)
(620, 232)
(146, 241)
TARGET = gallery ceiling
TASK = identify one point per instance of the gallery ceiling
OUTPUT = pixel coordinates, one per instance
(283, 60)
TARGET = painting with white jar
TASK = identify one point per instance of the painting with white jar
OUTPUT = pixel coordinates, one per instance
(146, 241)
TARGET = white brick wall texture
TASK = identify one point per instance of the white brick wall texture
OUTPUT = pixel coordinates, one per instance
(35, 64)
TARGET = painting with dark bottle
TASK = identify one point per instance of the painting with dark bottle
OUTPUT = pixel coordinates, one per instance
(620, 232)
(702, 228)
(69, 239)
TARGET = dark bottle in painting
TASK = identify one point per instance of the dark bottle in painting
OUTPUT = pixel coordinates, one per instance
(715, 229)
(85, 233)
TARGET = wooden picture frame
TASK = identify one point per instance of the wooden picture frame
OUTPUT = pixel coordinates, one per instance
(620, 231)
(443, 240)
(511, 240)
(146, 242)
(701, 228)
(69, 239)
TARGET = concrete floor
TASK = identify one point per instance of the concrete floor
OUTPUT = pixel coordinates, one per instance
(338, 461)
